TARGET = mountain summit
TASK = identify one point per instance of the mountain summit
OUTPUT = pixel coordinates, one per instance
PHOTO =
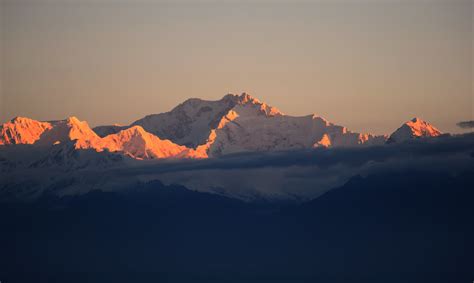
(240, 123)
(69, 130)
(192, 122)
(22, 130)
(415, 128)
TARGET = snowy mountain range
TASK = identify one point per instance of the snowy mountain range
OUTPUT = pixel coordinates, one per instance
(195, 145)
(201, 129)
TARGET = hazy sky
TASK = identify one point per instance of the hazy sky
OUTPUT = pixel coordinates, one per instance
(368, 65)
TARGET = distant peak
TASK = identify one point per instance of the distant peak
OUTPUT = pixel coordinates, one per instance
(245, 97)
(73, 119)
(417, 122)
(415, 128)
(229, 96)
(20, 119)
(135, 129)
(27, 122)
(76, 123)
(22, 130)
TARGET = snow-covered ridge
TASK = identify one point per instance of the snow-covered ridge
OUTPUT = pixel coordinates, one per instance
(103, 131)
(199, 128)
(70, 129)
(239, 123)
(137, 143)
(73, 134)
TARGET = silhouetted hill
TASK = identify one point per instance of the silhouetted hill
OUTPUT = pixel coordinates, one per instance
(414, 225)
(411, 227)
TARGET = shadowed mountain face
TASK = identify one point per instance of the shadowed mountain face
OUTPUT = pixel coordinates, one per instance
(410, 227)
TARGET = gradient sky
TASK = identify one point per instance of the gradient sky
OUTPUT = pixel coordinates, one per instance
(368, 65)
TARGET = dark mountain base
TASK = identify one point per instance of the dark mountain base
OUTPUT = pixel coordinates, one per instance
(414, 227)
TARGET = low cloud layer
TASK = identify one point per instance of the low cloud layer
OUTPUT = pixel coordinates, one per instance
(309, 173)
(295, 175)
(466, 124)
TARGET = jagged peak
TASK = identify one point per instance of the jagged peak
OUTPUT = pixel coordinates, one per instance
(68, 130)
(140, 132)
(418, 123)
(246, 99)
(20, 119)
(197, 102)
(135, 130)
(414, 128)
(23, 122)
(243, 97)
(416, 120)
(137, 143)
(72, 119)
(230, 100)
(75, 124)
(22, 130)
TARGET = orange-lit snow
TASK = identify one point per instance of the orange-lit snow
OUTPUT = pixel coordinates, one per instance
(200, 129)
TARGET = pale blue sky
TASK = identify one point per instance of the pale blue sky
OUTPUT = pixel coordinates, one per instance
(368, 65)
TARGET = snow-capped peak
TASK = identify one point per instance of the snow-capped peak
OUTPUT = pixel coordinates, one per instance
(191, 123)
(239, 123)
(21, 120)
(415, 128)
(247, 100)
(138, 143)
(69, 130)
(22, 130)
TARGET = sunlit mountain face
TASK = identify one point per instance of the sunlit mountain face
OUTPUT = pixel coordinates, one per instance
(201, 129)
